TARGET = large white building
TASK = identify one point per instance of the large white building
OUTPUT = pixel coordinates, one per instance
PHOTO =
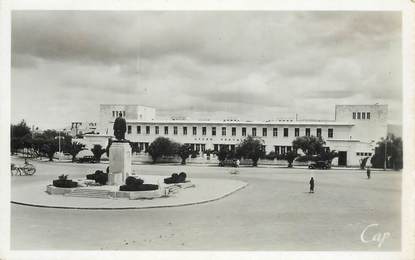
(353, 132)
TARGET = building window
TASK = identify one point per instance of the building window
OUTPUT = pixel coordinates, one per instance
(148, 130)
(318, 132)
(166, 130)
(138, 129)
(289, 148)
(285, 132)
(204, 130)
(156, 129)
(363, 115)
(254, 131)
(358, 115)
(113, 113)
(233, 131)
(194, 130)
(243, 131)
(275, 132)
(307, 131)
(214, 131)
(368, 115)
(277, 149)
(129, 129)
(203, 147)
(330, 133)
(296, 131)
(216, 147)
(264, 132)
(223, 131)
(175, 130)
(184, 130)
(282, 149)
(354, 115)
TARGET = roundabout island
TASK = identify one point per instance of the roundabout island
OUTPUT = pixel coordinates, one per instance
(202, 191)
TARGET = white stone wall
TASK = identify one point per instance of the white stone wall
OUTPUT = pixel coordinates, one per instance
(132, 112)
(350, 135)
(365, 130)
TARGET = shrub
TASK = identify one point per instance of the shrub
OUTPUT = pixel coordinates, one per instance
(99, 177)
(134, 184)
(130, 180)
(182, 177)
(176, 178)
(63, 182)
(142, 187)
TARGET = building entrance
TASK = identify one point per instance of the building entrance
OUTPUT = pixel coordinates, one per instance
(342, 158)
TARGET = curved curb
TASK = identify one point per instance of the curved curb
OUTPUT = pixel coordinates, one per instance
(128, 208)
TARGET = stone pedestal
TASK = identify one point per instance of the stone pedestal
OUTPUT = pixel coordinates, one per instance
(120, 163)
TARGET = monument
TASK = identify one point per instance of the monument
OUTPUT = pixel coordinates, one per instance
(119, 154)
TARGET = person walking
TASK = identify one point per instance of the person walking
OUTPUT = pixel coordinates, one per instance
(368, 172)
(312, 185)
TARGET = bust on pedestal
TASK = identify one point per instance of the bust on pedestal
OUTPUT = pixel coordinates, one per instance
(119, 154)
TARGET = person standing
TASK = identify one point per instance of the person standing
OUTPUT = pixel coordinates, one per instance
(312, 185)
(368, 172)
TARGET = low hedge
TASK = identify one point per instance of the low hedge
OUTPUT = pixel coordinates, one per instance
(176, 178)
(134, 184)
(64, 183)
(99, 177)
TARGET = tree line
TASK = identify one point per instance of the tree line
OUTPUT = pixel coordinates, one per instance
(46, 143)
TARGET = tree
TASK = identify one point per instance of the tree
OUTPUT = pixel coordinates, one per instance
(20, 136)
(162, 146)
(50, 147)
(107, 149)
(394, 153)
(185, 150)
(73, 149)
(98, 151)
(222, 154)
(327, 155)
(290, 157)
(251, 148)
(310, 145)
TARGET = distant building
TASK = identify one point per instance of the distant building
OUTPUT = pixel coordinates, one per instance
(353, 133)
(81, 128)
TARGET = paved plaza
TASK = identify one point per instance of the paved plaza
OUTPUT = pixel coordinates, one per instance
(273, 212)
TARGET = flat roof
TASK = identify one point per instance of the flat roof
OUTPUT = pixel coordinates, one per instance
(217, 122)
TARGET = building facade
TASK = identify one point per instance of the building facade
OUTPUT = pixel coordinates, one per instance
(353, 133)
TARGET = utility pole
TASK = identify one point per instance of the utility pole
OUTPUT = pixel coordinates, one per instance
(59, 141)
(386, 148)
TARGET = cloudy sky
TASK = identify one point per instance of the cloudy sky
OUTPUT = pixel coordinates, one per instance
(247, 65)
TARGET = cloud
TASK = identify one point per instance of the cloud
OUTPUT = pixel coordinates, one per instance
(217, 64)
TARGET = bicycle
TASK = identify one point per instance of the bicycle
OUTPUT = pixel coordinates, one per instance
(26, 169)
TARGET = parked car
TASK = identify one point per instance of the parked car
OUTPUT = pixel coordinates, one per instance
(319, 165)
(229, 162)
(87, 159)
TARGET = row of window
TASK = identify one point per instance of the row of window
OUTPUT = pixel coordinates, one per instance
(307, 131)
(118, 113)
(361, 115)
(282, 149)
(363, 154)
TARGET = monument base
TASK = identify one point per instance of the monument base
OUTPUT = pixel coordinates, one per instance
(119, 163)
